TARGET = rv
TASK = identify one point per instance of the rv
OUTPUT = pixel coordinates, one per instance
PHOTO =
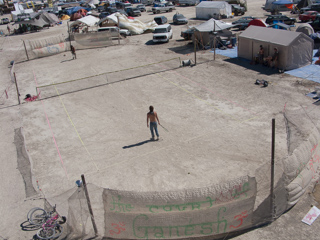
(188, 2)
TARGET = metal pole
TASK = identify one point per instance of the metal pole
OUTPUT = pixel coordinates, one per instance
(195, 51)
(24, 44)
(89, 204)
(118, 30)
(272, 171)
(15, 80)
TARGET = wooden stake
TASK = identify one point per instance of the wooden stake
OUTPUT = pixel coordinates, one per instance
(18, 94)
(89, 205)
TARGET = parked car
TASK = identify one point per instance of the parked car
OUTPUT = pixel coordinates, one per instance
(123, 12)
(162, 33)
(103, 15)
(133, 12)
(187, 34)
(237, 9)
(160, 20)
(114, 31)
(281, 18)
(141, 7)
(308, 16)
(243, 22)
(316, 23)
(166, 7)
(179, 19)
(121, 5)
(312, 7)
(5, 21)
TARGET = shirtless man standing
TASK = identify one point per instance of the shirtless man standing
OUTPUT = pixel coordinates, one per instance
(153, 117)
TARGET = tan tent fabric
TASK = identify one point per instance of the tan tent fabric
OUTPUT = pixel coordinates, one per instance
(65, 17)
(295, 49)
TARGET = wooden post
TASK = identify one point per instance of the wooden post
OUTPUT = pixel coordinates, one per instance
(69, 33)
(89, 204)
(18, 94)
(272, 171)
(214, 40)
(24, 44)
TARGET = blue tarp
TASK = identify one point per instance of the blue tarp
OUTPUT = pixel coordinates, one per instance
(73, 10)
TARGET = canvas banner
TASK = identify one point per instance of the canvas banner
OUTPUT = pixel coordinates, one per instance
(93, 39)
(51, 50)
(180, 214)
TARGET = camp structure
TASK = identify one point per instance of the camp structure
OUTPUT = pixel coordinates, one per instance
(295, 48)
(205, 33)
(257, 22)
(305, 28)
(82, 25)
(217, 10)
(39, 19)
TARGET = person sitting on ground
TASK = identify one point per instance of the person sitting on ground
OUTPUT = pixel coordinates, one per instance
(273, 60)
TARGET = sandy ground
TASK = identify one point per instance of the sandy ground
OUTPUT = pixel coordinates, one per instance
(217, 122)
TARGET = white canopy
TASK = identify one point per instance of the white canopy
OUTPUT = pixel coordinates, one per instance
(90, 21)
(213, 25)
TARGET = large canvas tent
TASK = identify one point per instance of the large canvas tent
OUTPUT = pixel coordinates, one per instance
(295, 48)
(207, 9)
(204, 32)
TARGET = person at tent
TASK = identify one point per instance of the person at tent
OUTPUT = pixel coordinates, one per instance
(273, 60)
(73, 51)
(152, 116)
(261, 54)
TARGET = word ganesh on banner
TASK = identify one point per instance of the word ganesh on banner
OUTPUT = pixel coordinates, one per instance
(180, 214)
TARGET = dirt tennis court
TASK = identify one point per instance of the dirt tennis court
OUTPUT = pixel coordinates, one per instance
(217, 121)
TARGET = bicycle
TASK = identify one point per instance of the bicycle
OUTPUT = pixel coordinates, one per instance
(47, 221)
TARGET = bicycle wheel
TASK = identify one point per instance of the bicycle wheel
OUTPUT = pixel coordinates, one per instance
(58, 230)
(46, 233)
(38, 216)
(29, 213)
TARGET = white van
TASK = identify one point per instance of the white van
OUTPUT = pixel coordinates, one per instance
(114, 31)
(162, 33)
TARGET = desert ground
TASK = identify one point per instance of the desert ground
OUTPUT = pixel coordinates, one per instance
(216, 122)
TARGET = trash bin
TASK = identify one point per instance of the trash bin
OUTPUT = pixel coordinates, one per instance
(233, 41)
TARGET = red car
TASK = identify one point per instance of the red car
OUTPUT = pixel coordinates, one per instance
(308, 16)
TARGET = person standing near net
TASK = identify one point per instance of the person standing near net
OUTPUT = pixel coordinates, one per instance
(152, 116)
(73, 51)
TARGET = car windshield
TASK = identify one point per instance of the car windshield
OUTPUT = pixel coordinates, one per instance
(179, 16)
(160, 30)
(135, 9)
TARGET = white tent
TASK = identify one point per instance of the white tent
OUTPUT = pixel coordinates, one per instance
(88, 21)
(216, 10)
(295, 48)
(305, 28)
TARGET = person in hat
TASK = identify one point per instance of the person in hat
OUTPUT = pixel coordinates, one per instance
(261, 54)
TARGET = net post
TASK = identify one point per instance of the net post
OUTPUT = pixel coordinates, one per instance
(89, 204)
(24, 44)
(15, 81)
(272, 171)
